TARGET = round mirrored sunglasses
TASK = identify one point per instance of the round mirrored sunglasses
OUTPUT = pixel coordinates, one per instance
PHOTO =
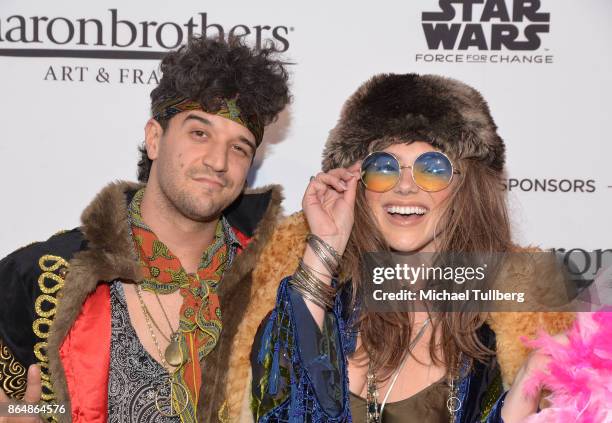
(432, 171)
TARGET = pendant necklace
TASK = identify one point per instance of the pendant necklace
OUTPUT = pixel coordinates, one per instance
(453, 402)
(173, 354)
(172, 397)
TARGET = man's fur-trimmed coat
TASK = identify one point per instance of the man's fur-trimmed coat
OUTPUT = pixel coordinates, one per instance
(54, 311)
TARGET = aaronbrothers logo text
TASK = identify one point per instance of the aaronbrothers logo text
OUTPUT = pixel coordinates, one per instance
(115, 38)
(494, 30)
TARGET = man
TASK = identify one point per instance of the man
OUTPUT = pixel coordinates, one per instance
(131, 316)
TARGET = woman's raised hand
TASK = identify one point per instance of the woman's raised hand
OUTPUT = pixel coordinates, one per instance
(329, 203)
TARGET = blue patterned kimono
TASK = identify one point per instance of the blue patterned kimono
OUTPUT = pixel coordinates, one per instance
(300, 372)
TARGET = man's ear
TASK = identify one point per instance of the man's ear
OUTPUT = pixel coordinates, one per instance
(153, 135)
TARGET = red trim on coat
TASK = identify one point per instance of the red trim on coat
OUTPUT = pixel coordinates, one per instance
(242, 238)
(85, 356)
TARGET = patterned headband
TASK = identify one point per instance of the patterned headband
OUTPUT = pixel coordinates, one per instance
(229, 109)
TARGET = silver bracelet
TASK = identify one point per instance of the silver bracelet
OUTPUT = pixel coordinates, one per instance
(312, 288)
(312, 269)
(326, 253)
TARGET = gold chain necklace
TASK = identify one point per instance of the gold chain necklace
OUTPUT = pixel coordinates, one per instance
(453, 402)
(173, 354)
(173, 403)
(148, 313)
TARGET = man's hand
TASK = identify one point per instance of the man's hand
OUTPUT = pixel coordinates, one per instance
(32, 395)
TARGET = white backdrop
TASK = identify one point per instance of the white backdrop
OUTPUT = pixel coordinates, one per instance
(63, 140)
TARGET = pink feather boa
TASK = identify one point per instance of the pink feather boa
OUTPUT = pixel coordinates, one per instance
(579, 375)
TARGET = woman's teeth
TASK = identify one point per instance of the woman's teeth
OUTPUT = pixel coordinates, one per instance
(406, 210)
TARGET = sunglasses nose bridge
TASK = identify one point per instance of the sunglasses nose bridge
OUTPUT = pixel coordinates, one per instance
(406, 182)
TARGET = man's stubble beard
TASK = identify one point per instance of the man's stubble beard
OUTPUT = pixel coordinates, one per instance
(202, 210)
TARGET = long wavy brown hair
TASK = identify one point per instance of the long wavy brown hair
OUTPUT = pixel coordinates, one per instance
(475, 220)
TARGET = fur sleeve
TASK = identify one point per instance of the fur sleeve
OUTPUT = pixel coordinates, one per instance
(279, 258)
(535, 272)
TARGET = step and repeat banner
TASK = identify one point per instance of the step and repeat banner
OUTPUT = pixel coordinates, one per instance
(75, 80)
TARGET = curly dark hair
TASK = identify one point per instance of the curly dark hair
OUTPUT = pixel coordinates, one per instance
(207, 69)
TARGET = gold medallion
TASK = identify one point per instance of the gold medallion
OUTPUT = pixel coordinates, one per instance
(173, 353)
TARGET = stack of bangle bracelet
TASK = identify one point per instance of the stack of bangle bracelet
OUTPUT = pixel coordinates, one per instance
(305, 280)
(330, 257)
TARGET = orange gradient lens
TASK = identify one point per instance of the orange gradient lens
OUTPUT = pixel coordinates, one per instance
(380, 171)
(432, 171)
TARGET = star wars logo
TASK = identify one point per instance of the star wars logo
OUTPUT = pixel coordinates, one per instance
(486, 25)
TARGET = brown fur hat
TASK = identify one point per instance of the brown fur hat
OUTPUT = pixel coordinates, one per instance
(449, 114)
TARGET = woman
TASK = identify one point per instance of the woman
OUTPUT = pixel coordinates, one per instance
(413, 165)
